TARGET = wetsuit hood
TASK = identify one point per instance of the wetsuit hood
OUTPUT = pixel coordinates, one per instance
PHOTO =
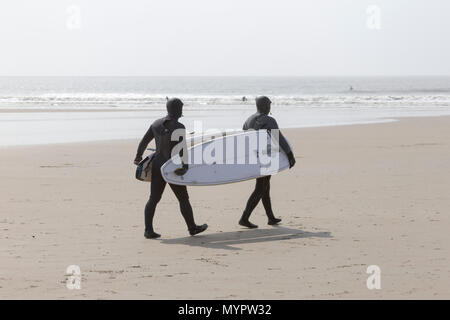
(174, 108)
(263, 104)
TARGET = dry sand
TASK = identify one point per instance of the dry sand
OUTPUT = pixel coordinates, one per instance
(359, 195)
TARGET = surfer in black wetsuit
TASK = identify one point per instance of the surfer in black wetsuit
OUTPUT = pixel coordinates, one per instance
(161, 130)
(262, 121)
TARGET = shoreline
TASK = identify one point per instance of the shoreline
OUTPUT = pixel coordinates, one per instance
(385, 121)
(41, 128)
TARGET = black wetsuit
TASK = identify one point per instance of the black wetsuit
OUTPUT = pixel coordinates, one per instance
(161, 130)
(261, 121)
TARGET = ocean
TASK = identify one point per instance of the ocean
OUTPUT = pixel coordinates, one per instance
(215, 102)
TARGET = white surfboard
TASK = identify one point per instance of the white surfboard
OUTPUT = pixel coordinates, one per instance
(228, 159)
(144, 168)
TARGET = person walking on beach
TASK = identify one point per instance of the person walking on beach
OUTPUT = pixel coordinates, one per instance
(262, 121)
(161, 130)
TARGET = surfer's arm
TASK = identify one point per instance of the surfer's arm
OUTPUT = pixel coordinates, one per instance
(183, 151)
(284, 145)
(143, 144)
(273, 125)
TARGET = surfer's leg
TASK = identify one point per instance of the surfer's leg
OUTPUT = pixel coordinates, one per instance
(252, 203)
(157, 188)
(185, 205)
(266, 197)
(186, 209)
(267, 203)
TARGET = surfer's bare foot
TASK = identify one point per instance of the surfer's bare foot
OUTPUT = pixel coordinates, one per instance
(273, 221)
(151, 235)
(198, 229)
(248, 224)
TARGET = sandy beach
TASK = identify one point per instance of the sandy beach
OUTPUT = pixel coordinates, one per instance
(359, 195)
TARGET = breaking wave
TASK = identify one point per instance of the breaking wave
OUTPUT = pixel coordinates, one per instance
(151, 101)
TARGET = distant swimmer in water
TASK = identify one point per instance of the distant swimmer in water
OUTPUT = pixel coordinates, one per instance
(244, 98)
(351, 88)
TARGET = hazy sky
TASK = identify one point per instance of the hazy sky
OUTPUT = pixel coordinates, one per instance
(224, 37)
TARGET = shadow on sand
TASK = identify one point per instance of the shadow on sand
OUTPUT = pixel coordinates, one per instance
(227, 240)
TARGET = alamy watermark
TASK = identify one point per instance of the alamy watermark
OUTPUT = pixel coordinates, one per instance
(374, 280)
(231, 147)
(73, 21)
(373, 21)
(73, 274)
